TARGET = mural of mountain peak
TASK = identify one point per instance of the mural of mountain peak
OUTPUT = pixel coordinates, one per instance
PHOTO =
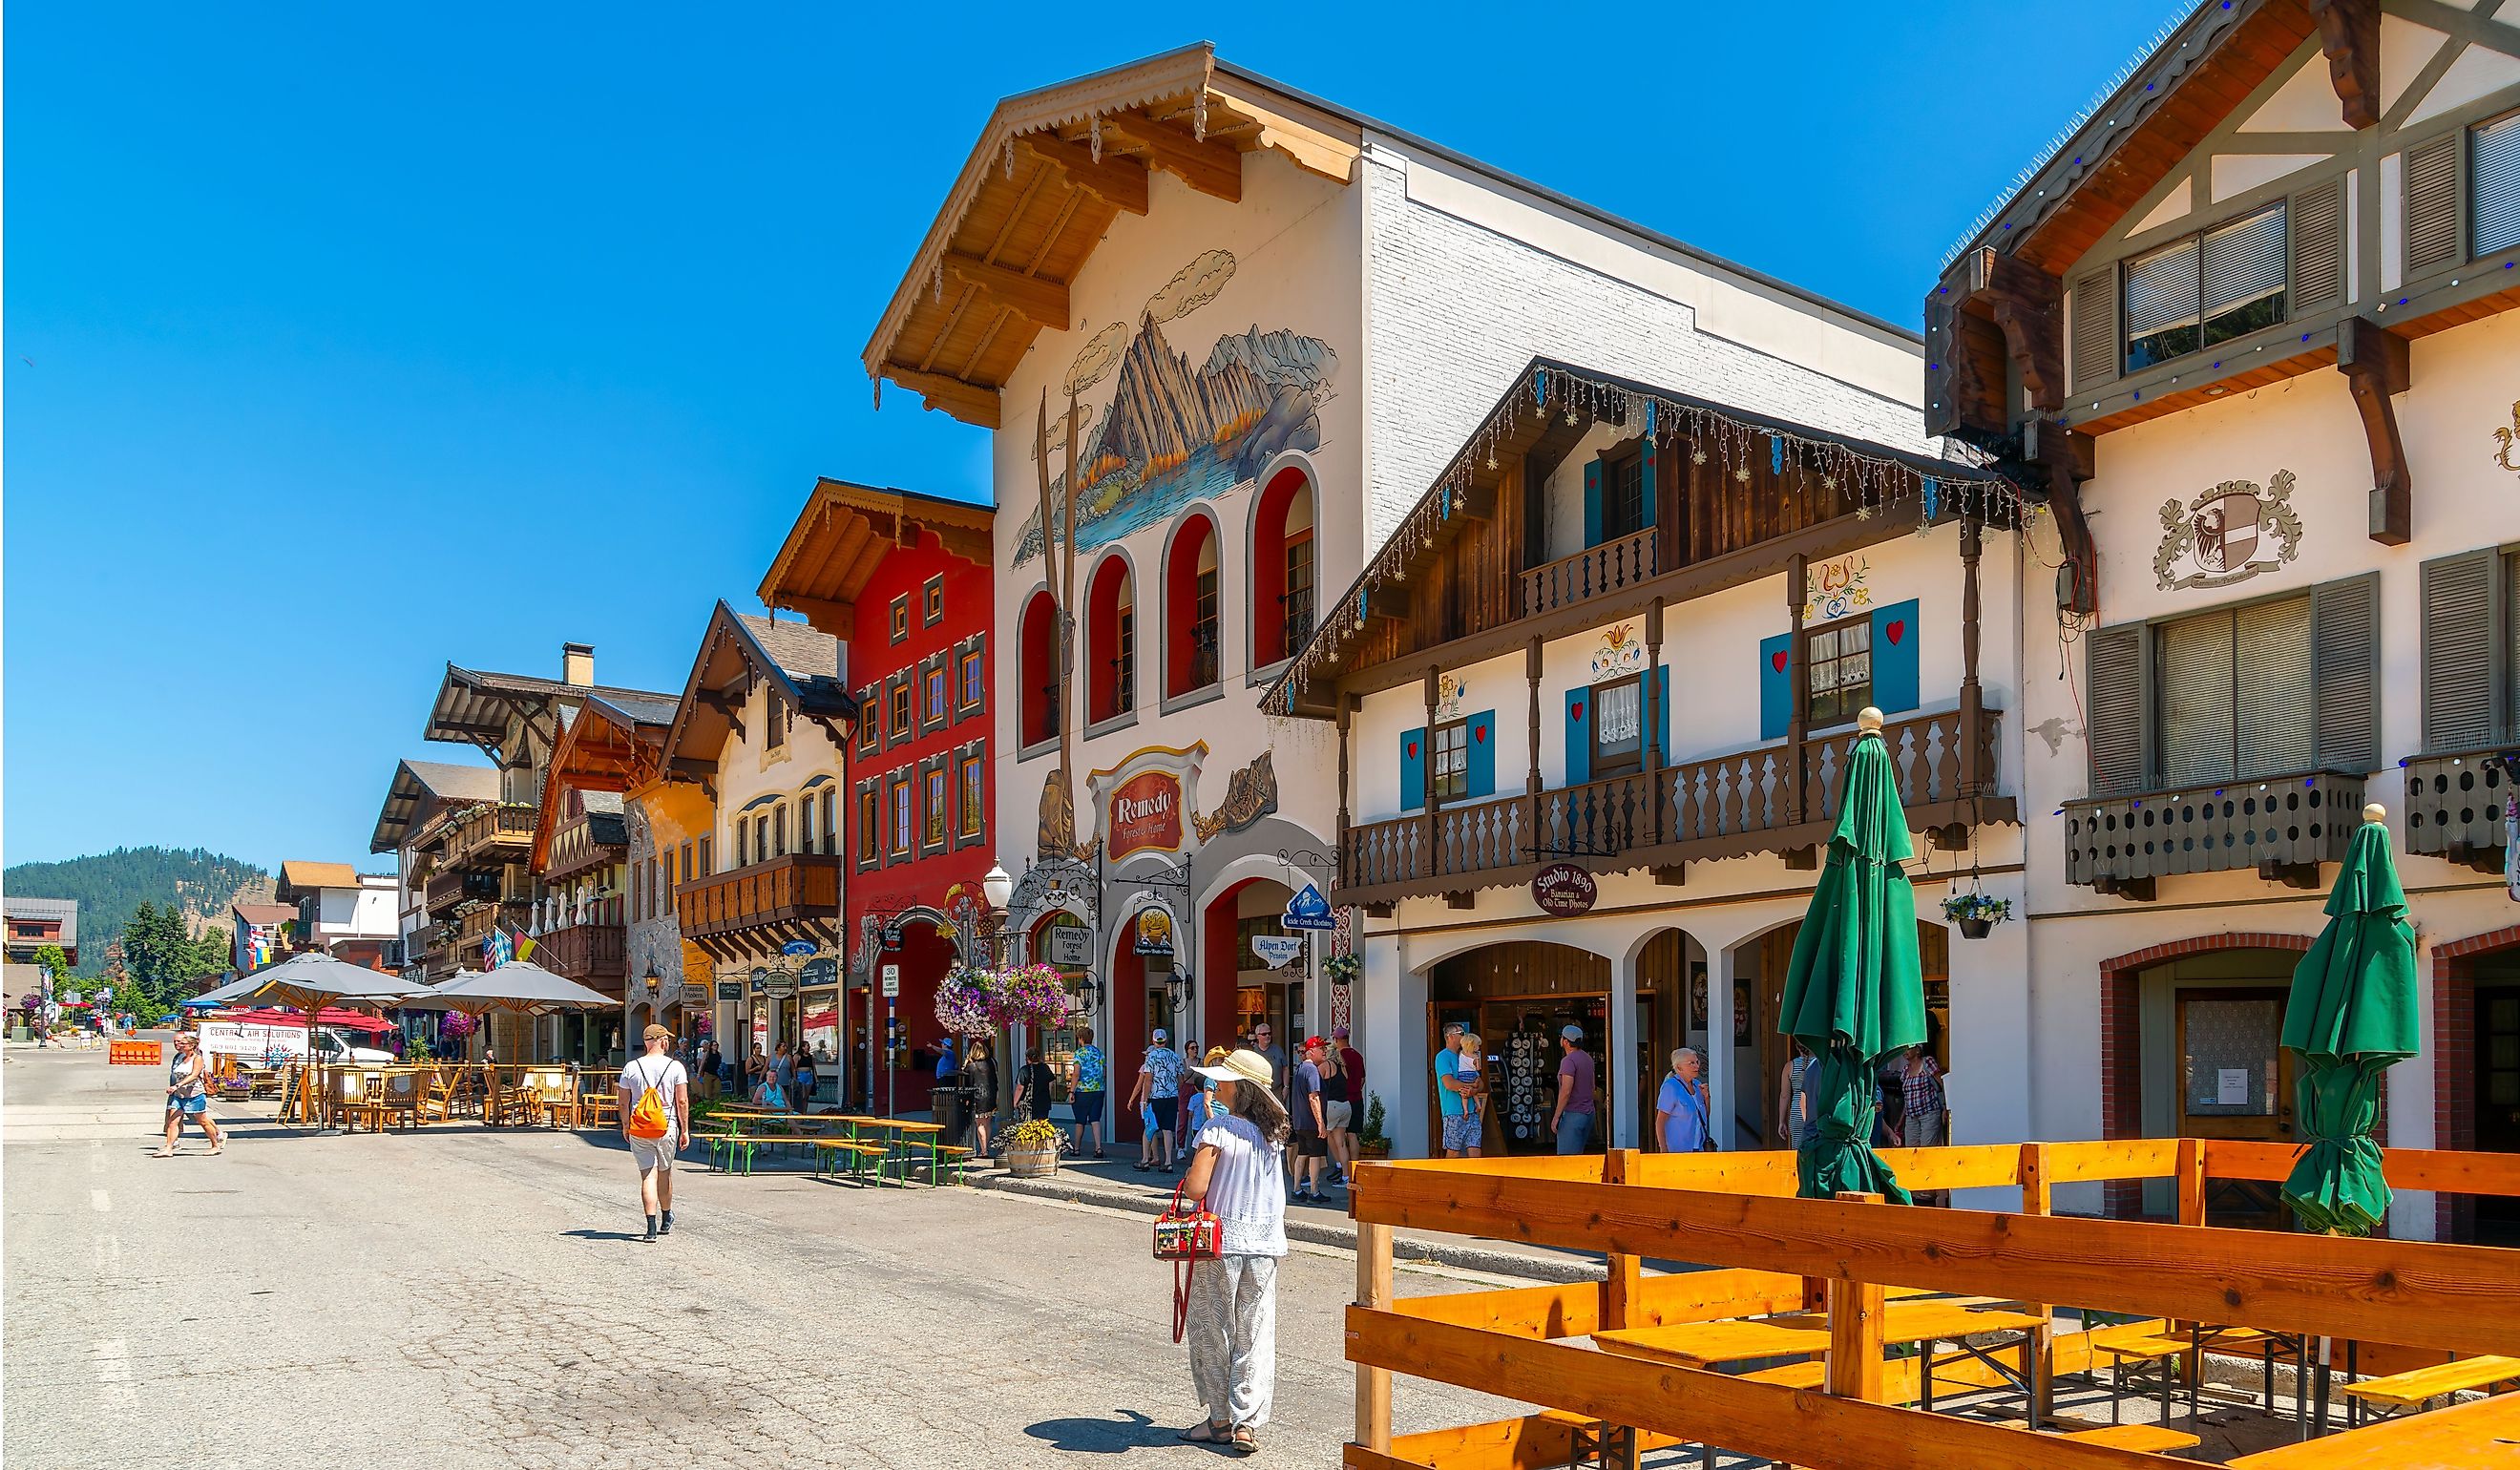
(1172, 432)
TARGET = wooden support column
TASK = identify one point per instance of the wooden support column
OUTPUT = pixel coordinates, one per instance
(1654, 718)
(1856, 1324)
(1374, 1292)
(2190, 1176)
(2375, 364)
(1623, 1283)
(1426, 773)
(1346, 722)
(1531, 782)
(1798, 721)
(2070, 457)
(1972, 697)
(2037, 1198)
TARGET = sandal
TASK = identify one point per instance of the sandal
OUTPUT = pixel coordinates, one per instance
(1206, 1432)
(163, 1153)
(1246, 1439)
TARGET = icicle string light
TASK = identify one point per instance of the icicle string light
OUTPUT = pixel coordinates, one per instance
(1875, 482)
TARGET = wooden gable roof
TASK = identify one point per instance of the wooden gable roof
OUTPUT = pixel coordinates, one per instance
(1051, 171)
(842, 537)
(737, 650)
(612, 745)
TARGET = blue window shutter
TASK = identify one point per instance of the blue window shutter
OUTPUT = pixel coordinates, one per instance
(1579, 736)
(1894, 657)
(1661, 715)
(1413, 770)
(1649, 477)
(1591, 503)
(1482, 765)
(1776, 673)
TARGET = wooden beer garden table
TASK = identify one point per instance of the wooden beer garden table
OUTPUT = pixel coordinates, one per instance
(1926, 1321)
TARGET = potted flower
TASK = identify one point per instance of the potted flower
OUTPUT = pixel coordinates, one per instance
(963, 1001)
(1370, 1141)
(1976, 913)
(1032, 1149)
(1342, 969)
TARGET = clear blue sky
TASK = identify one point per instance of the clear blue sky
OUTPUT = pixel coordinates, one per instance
(345, 341)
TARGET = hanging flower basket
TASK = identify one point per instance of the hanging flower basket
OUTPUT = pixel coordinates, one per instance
(1342, 969)
(1977, 913)
(964, 1003)
(454, 1025)
(1035, 995)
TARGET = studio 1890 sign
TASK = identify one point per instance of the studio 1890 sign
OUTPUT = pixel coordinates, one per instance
(1564, 889)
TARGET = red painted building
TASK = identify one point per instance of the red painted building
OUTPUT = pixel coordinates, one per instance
(905, 582)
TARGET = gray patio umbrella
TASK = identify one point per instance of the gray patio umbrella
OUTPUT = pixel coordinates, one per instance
(310, 982)
(520, 986)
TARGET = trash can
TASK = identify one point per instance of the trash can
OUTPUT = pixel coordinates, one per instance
(950, 1111)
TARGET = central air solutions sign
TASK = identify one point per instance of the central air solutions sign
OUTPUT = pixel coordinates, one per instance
(1144, 800)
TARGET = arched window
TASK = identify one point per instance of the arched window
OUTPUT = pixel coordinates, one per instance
(1191, 615)
(1040, 691)
(1110, 642)
(1282, 569)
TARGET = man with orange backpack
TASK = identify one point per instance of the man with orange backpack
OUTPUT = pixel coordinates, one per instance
(656, 1121)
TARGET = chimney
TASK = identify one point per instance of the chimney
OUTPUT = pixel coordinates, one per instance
(577, 664)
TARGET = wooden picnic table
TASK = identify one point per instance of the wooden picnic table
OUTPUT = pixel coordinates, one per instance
(1703, 1345)
(1923, 1320)
(909, 1130)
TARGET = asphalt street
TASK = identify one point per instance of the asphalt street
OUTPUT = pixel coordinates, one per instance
(463, 1297)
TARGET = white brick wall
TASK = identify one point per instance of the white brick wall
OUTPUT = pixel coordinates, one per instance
(1455, 308)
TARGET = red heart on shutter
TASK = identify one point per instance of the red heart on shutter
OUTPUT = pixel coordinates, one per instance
(1777, 660)
(1897, 630)
(1479, 732)
(1412, 750)
(1575, 711)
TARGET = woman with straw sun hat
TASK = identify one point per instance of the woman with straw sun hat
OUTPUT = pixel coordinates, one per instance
(1233, 1324)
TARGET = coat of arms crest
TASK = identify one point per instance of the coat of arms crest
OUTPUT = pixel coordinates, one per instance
(2229, 534)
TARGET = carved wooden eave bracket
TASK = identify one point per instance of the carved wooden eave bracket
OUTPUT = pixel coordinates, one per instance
(2348, 32)
(2028, 305)
(2069, 457)
(2374, 362)
(1991, 308)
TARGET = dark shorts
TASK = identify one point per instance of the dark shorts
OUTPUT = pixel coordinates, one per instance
(1312, 1145)
(1167, 1112)
(1087, 1106)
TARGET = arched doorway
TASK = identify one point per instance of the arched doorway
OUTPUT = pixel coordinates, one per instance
(893, 1039)
(1517, 998)
(1760, 965)
(1671, 1012)
(2476, 1074)
(1243, 991)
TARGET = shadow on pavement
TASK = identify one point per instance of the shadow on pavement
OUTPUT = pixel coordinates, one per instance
(1132, 1430)
(603, 1235)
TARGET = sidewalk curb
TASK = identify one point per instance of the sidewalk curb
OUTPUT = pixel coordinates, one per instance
(1339, 1236)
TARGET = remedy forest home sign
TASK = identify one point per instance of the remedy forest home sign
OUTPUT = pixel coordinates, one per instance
(1146, 814)
(1565, 890)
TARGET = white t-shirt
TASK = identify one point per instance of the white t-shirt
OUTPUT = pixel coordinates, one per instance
(665, 1074)
(1249, 1189)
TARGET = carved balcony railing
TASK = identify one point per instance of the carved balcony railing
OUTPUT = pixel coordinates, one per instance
(576, 848)
(1622, 561)
(1720, 807)
(2455, 805)
(753, 909)
(474, 926)
(589, 953)
(2284, 826)
(447, 888)
(498, 834)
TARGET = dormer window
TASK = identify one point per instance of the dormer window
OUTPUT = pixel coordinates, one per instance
(2205, 290)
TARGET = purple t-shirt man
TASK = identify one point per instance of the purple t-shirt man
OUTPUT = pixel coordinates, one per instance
(1578, 1064)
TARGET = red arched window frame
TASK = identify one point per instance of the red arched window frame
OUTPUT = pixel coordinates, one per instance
(1110, 642)
(1038, 701)
(1283, 567)
(1194, 612)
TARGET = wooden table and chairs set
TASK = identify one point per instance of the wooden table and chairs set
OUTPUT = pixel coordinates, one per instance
(408, 1094)
(1853, 1333)
(889, 1150)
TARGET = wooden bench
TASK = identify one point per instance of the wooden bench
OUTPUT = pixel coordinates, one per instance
(831, 1153)
(723, 1148)
(2146, 1438)
(2415, 1390)
(2155, 1357)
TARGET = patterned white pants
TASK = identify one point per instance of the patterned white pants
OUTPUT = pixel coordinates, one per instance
(1233, 1335)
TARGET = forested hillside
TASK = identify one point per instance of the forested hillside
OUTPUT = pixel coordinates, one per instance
(199, 883)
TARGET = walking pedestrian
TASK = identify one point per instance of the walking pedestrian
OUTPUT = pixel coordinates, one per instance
(980, 1073)
(1797, 1113)
(1338, 1113)
(1681, 1107)
(188, 1094)
(1233, 1319)
(656, 1093)
(1032, 1094)
(1085, 1089)
(1262, 1042)
(1158, 1087)
(1572, 1121)
(1304, 1101)
(1925, 1108)
(1471, 1075)
(806, 1079)
(1452, 1102)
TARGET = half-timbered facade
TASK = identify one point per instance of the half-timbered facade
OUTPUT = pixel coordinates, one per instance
(1628, 633)
(905, 582)
(1230, 332)
(763, 729)
(2248, 331)
(418, 795)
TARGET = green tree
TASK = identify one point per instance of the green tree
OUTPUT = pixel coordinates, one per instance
(54, 962)
(163, 960)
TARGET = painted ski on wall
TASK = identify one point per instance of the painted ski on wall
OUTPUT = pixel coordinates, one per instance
(1172, 432)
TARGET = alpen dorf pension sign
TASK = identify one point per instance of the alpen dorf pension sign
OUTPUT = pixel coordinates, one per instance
(1565, 890)
(1146, 814)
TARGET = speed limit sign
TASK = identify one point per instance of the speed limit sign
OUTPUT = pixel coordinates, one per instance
(891, 981)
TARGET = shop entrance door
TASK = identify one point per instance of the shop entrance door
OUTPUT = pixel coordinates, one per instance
(2498, 1103)
(2235, 1082)
(1519, 1039)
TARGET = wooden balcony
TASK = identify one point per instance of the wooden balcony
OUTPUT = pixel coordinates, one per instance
(2283, 827)
(499, 833)
(1611, 566)
(753, 911)
(576, 848)
(1750, 801)
(589, 953)
(2455, 805)
(474, 926)
(449, 887)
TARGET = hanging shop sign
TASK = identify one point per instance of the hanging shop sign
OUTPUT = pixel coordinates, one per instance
(730, 990)
(798, 948)
(1277, 950)
(1154, 932)
(823, 971)
(694, 994)
(1308, 910)
(892, 936)
(1565, 890)
(1067, 946)
(779, 986)
(1146, 814)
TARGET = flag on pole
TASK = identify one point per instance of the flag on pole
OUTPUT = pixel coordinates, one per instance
(522, 946)
(496, 950)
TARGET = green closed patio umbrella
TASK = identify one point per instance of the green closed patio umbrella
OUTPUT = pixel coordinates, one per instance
(1855, 991)
(2349, 1018)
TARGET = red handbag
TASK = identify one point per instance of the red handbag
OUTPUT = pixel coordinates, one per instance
(1186, 1238)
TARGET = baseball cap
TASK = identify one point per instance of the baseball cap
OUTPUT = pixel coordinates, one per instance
(1571, 1032)
(1159, 1034)
(657, 1034)
(1341, 1032)
(1311, 1041)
